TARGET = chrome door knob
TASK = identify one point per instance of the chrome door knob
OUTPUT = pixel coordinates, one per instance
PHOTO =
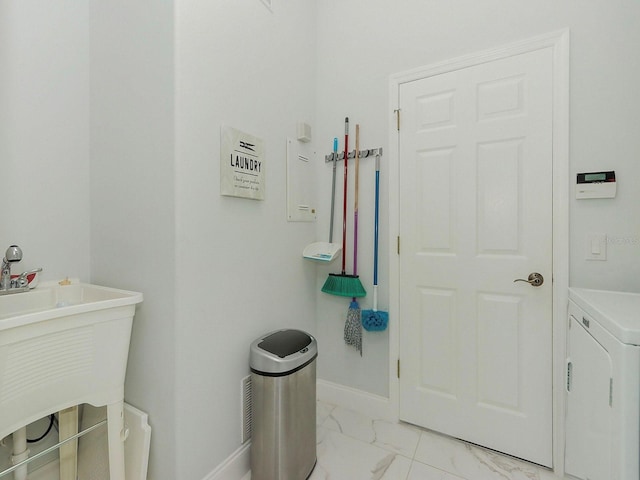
(534, 279)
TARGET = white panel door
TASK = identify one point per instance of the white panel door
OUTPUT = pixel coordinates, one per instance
(475, 173)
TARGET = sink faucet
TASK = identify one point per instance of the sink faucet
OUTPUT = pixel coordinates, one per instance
(12, 255)
(15, 285)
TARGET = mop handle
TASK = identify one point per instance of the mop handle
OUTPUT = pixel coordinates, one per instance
(355, 205)
(333, 187)
(375, 236)
(344, 201)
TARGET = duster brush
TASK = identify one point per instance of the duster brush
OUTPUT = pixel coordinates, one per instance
(375, 320)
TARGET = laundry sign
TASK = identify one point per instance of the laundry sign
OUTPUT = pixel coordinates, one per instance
(242, 166)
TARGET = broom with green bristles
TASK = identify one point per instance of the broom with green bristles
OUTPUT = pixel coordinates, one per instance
(342, 284)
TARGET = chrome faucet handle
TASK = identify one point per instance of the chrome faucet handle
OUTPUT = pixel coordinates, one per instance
(22, 280)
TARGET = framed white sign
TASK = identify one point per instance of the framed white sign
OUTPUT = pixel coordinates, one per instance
(242, 165)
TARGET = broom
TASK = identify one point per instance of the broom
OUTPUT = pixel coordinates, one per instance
(375, 320)
(342, 284)
(353, 325)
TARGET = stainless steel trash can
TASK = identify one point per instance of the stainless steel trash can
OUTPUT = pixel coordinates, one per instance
(283, 408)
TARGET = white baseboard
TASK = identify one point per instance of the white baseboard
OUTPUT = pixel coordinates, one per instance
(369, 404)
(235, 467)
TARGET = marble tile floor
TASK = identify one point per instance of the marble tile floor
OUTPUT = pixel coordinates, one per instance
(351, 446)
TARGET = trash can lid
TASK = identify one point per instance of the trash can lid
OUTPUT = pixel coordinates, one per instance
(282, 352)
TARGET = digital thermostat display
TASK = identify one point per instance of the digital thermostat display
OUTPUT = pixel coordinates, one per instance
(596, 185)
(594, 177)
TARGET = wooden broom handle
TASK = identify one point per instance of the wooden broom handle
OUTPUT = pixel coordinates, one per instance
(344, 201)
(355, 204)
(357, 165)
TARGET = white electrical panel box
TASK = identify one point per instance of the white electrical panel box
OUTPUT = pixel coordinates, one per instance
(596, 185)
(301, 191)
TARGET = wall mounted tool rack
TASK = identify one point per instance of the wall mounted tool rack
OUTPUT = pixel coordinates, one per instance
(352, 154)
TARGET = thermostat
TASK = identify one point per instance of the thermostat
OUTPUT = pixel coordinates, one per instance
(596, 185)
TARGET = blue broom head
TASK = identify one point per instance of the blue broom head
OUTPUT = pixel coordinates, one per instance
(375, 320)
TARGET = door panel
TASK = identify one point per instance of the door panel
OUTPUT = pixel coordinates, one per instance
(475, 175)
(438, 348)
(498, 352)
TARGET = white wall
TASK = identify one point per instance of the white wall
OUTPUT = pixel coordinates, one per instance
(133, 197)
(240, 271)
(372, 39)
(44, 141)
(89, 123)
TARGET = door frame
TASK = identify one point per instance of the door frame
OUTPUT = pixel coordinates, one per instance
(559, 43)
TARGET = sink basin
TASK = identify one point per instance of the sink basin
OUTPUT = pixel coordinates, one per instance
(62, 346)
(45, 303)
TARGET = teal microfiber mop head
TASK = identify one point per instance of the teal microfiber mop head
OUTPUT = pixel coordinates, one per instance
(375, 320)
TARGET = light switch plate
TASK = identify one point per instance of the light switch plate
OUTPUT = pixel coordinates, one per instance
(596, 246)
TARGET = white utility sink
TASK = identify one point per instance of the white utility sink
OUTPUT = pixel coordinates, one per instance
(62, 346)
(43, 303)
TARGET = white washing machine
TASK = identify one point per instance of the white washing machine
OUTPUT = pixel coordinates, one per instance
(603, 385)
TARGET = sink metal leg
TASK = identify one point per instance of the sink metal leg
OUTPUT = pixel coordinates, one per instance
(67, 427)
(20, 453)
(116, 437)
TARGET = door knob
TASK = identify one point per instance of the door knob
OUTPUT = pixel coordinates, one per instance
(535, 279)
